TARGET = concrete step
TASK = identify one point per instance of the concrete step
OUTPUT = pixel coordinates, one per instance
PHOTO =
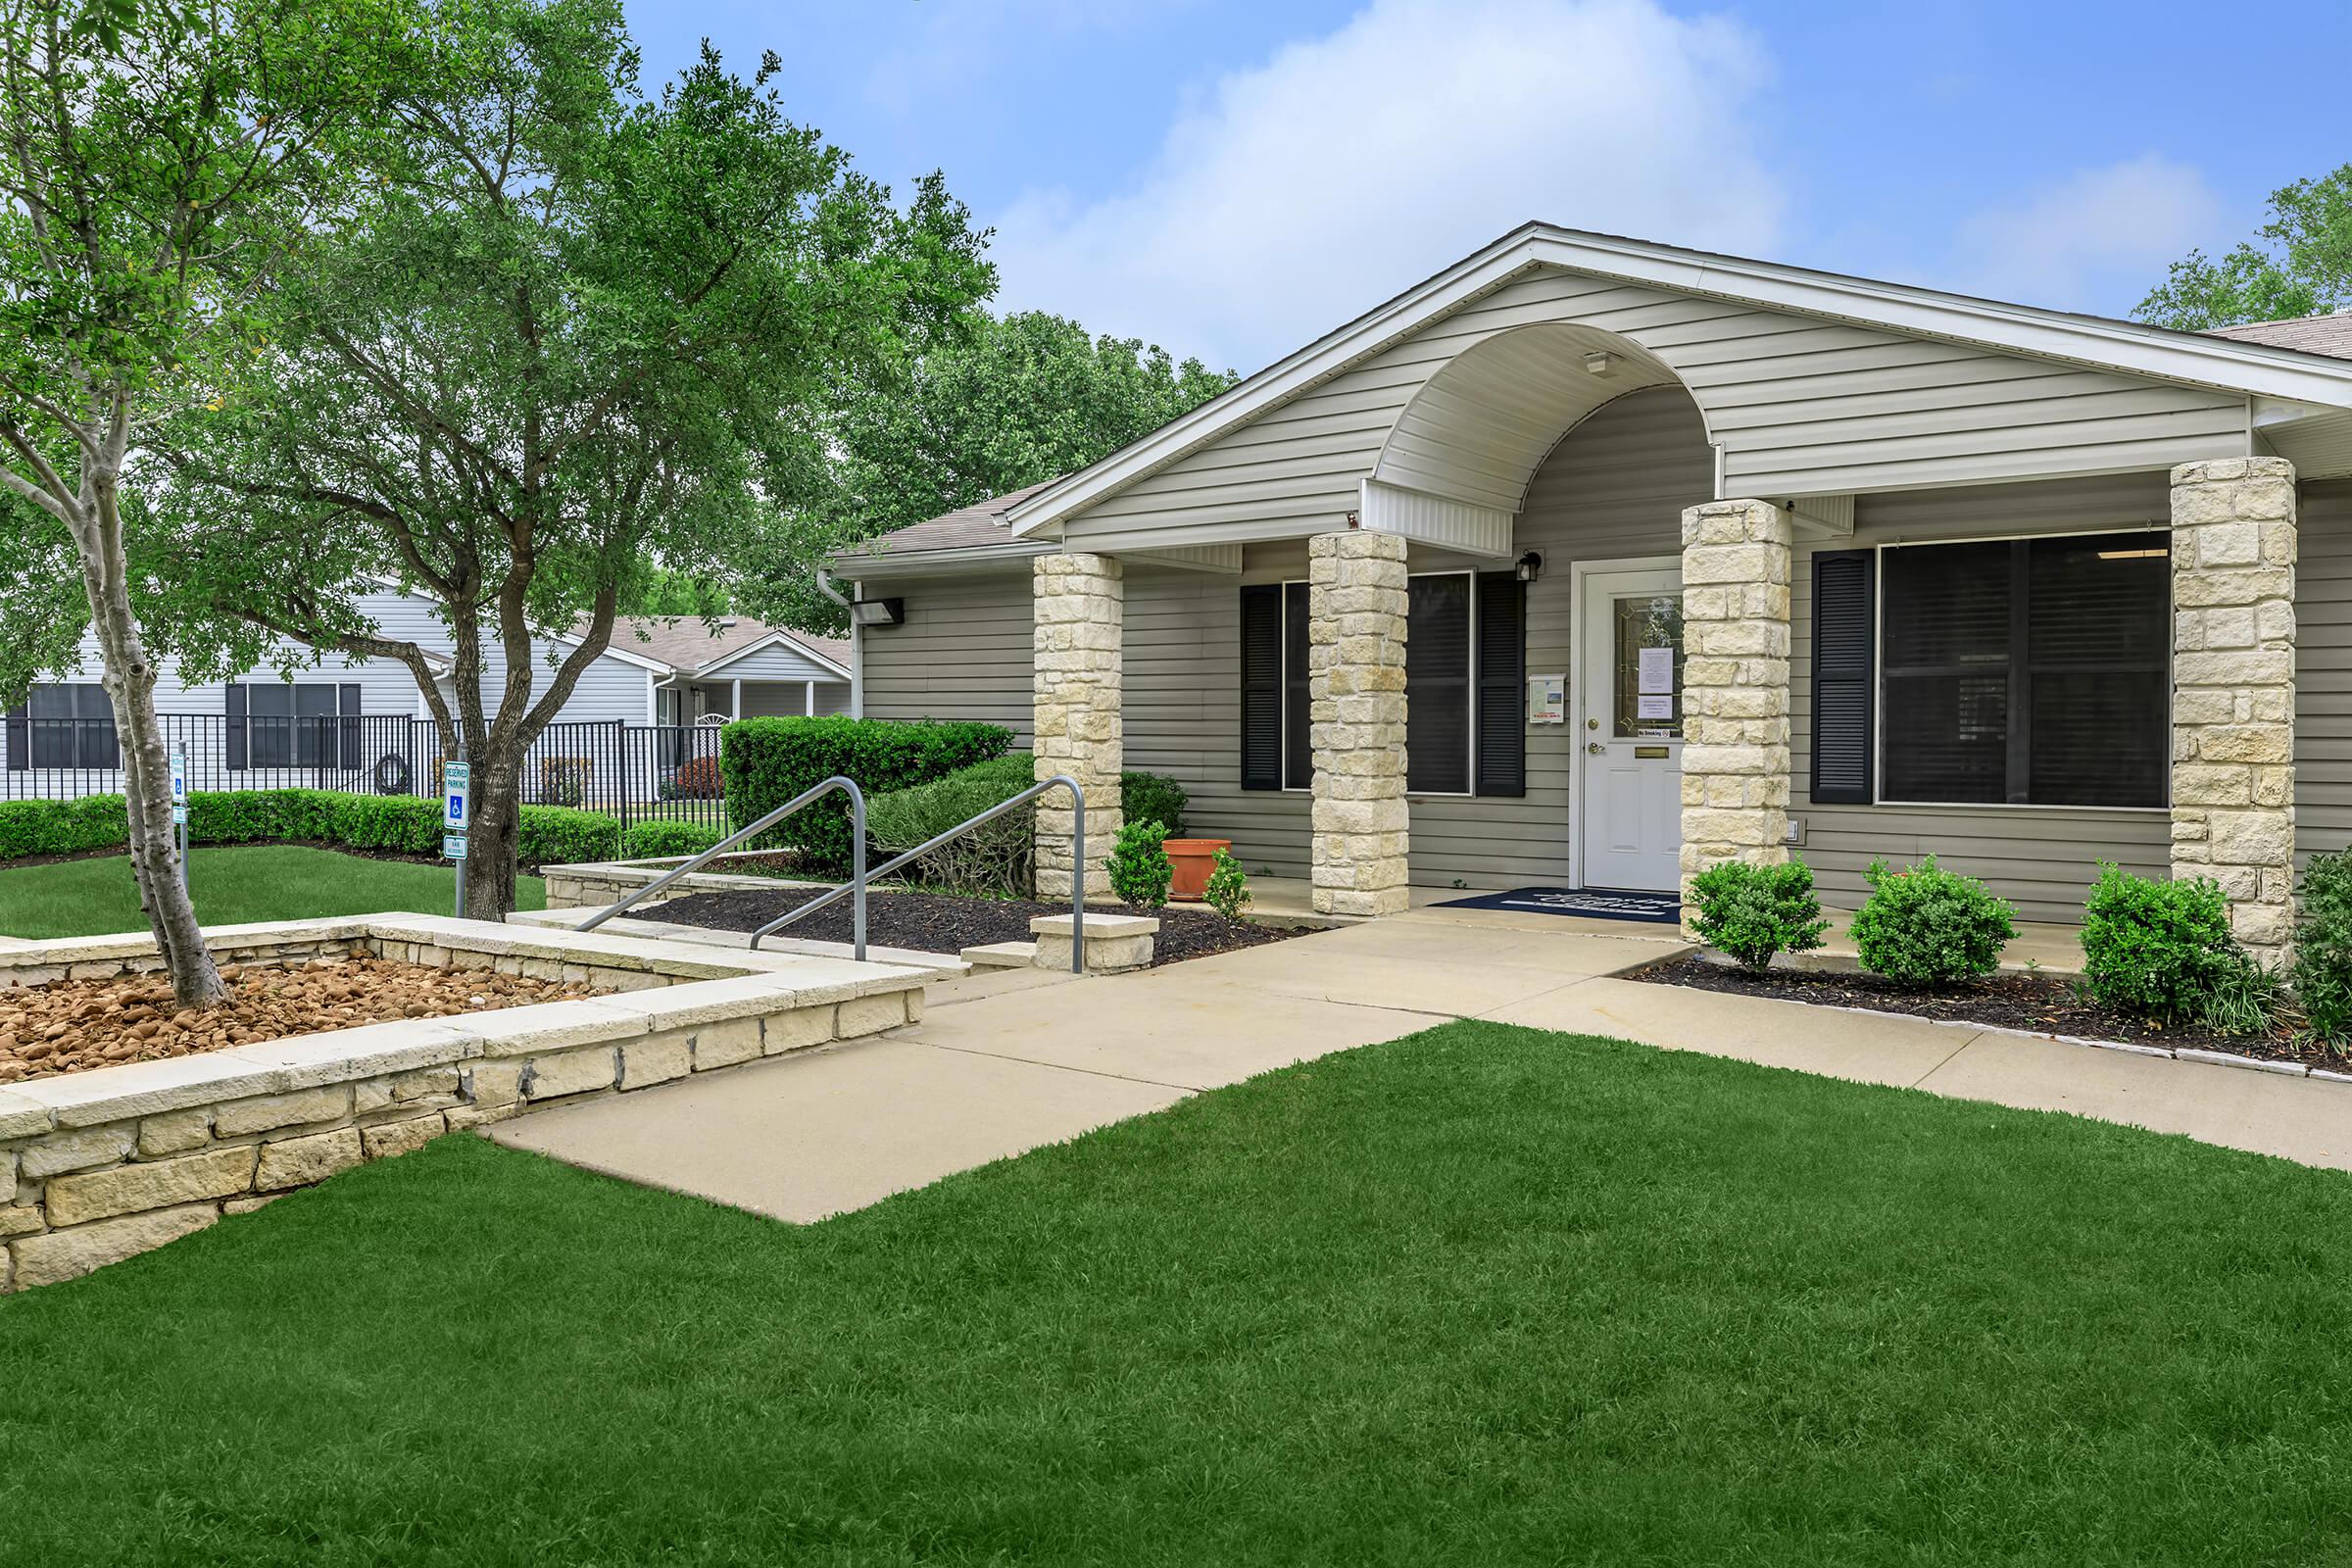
(1001, 956)
(658, 929)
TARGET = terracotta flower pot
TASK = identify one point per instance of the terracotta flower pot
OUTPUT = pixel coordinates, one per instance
(1194, 859)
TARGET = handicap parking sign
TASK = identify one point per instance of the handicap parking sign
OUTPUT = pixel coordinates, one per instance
(455, 780)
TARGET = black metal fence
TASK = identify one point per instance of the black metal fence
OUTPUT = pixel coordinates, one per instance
(633, 771)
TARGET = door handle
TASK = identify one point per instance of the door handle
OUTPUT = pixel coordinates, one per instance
(1595, 748)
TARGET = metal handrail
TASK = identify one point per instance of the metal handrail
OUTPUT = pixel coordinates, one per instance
(1077, 864)
(813, 793)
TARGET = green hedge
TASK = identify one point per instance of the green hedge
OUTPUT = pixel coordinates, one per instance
(663, 835)
(997, 859)
(404, 823)
(767, 761)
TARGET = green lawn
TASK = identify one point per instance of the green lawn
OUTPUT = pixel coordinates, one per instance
(1483, 1295)
(250, 882)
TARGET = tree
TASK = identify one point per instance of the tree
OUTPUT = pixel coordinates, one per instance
(158, 157)
(982, 407)
(2302, 264)
(569, 335)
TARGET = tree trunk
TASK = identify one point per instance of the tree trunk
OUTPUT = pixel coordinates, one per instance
(493, 845)
(130, 680)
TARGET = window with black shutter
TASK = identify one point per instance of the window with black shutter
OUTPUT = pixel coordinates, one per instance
(64, 725)
(1436, 684)
(1502, 727)
(293, 724)
(1844, 635)
(1261, 687)
(2027, 671)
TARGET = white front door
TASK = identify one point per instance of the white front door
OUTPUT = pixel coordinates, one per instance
(1630, 731)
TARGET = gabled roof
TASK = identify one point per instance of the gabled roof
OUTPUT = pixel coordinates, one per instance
(972, 528)
(688, 645)
(2251, 366)
(2331, 335)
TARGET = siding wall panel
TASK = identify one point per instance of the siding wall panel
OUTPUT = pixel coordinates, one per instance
(2324, 670)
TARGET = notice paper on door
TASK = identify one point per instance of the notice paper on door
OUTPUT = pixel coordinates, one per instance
(1646, 706)
(1655, 666)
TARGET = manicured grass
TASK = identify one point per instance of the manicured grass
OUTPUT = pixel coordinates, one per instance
(1483, 1295)
(230, 886)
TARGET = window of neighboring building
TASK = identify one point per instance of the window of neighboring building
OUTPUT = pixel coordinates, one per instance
(297, 724)
(2026, 671)
(64, 726)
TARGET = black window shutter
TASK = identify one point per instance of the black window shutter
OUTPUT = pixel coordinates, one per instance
(1502, 684)
(1262, 687)
(236, 729)
(20, 740)
(1844, 639)
(347, 699)
(1297, 698)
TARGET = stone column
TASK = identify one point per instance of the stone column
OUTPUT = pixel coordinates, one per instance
(1356, 613)
(1735, 566)
(1079, 614)
(2234, 690)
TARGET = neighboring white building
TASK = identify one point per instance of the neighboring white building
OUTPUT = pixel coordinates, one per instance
(362, 723)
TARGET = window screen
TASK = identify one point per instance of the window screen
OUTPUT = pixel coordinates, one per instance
(2027, 671)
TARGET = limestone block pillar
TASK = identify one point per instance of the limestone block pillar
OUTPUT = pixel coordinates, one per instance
(1736, 568)
(1079, 613)
(1357, 608)
(2234, 690)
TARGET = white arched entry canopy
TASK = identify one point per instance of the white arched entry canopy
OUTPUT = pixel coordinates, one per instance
(1456, 464)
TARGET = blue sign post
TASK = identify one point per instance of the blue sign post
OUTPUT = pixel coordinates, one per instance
(179, 807)
(457, 780)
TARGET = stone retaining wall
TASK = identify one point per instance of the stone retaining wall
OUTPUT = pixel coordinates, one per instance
(97, 1166)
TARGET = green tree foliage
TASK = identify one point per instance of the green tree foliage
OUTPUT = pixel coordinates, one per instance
(983, 406)
(2300, 264)
(160, 160)
(571, 330)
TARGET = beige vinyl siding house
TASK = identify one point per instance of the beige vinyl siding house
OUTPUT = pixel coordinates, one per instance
(1597, 433)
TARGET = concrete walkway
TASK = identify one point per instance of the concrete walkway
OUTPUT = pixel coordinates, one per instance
(1005, 1063)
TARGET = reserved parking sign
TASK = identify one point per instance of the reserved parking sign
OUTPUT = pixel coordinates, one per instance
(456, 777)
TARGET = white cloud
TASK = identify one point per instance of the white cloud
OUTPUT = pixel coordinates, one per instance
(1295, 194)
(2096, 241)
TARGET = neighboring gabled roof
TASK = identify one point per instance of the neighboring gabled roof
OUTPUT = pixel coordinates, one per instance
(685, 645)
(2231, 364)
(2331, 335)
(972, 528)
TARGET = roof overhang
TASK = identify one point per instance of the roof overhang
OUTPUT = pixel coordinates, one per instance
(613, 652)
(865, 566)
(2254, 370)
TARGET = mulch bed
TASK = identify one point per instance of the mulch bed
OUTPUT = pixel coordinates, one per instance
(71, 1025)
(2043, 1004)
(945, 922)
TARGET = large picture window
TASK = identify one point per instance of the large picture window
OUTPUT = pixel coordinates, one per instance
(2026, 671)
(64, 726)
(304, 724)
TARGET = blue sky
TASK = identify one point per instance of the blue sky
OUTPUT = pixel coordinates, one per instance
(1232, 180)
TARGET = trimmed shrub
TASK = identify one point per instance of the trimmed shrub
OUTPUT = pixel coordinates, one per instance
(557, 835)
(2241, 998)
(404, 823)
(61, 827)
(1228, 890)
(645, 841)
(2156, 949)
(1756, 911)
(1153, 797)
(2323, 971)
(767, 761)
(1926, 927)
(997, 859)
(1140, 868)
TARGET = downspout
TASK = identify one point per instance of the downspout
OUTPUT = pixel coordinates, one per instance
(824, 585)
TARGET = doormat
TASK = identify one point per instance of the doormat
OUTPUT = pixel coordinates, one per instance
(1599, 903)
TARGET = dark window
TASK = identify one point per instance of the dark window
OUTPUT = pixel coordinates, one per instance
(64, 726)
(1262, 687)
(301, 725)
(1844, 636)
(1437, 685)
(2030, 671)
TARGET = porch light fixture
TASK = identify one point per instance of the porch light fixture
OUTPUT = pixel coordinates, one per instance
(1530, 567)
(1598, 362)
(878, 611)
